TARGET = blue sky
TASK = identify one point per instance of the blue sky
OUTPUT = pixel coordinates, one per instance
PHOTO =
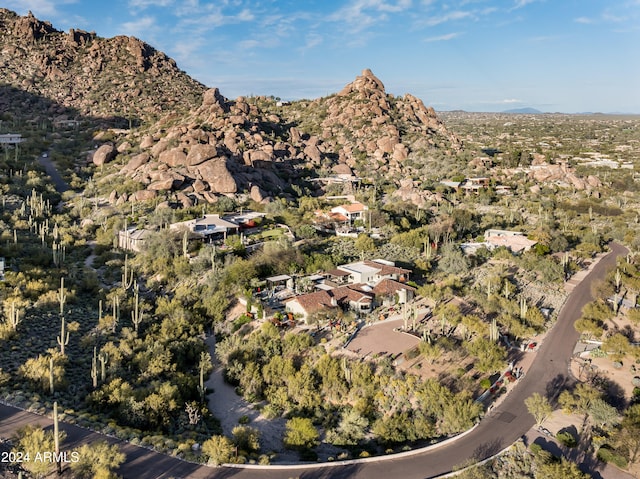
(477, 55)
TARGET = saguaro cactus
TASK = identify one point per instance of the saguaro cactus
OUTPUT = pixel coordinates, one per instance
(494, 334)
(63, 339)
(62, 296)
(94, 369)
(136, 314)
(127, 276)
(524, 307)
(104, 359)
(346, 370)
(56, 437)
(14, 316)
(51, 386)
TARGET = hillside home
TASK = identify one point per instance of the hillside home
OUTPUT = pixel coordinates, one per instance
(347, 297)
(371, 272)
(351, 212)
(133, 239)
(359, 298)
(474, 184)
(389, 292)
(208, 226)
(515, 241)
(11, 138)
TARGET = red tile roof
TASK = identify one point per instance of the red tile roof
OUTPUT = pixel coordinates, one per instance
(390, 287)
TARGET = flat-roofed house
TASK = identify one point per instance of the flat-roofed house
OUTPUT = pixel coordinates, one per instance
(515, 241)
(133, 238)
(371, 272)
(207, 226)
(11, 138)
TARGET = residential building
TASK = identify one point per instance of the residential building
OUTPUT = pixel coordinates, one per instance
(371, 272)
(11, 138)
(347, 297)
(515, 241)
(133, 238)
(208, 226)
(351, 212)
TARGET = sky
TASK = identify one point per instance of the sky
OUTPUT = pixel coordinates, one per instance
(567, 56)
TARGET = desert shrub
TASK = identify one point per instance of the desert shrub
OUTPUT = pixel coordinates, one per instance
(566, 439)
(608, 455)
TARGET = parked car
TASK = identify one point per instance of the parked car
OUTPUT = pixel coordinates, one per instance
(545, 431)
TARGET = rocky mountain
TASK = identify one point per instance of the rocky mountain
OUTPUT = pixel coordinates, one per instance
(98, 77)
(261, 147)
(196, 144)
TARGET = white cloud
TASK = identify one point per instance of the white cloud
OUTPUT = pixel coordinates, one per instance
(142, 4)
(313, 40)
(584, 20)
(362, 14)
(448, 17)
(522, 3)
(40, 8)
(140, 28)
(510, 101)
(442, 38)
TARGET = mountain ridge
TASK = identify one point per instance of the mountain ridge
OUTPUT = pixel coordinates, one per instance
(193, 142)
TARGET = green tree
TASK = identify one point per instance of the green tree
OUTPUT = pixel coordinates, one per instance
(539, 407)
(579, 400)
(453, 260)
(218, 449)
(32, 441)
(364, 243)
(300, 433)
(97, 460)
(627, 437)
(491, 356)
(350, 431)
(459, 414)
(617, 346)
(246, 438)
(603, 413)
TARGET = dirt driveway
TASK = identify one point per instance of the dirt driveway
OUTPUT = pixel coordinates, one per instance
(380, 338)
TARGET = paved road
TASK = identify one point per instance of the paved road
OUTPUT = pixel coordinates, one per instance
(548, 375)
(57, 180)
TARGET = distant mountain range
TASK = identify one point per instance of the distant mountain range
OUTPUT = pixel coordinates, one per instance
(527, 110)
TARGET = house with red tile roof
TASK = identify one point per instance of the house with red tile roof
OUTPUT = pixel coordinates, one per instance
(348, 297)
(352, 212)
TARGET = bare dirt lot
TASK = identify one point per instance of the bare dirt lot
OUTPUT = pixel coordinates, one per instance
(382, 338)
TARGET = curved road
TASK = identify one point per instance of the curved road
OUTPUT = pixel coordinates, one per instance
(548, 375)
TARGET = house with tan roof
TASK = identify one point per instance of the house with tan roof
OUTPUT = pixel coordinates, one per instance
(515, 241)
(351, 212)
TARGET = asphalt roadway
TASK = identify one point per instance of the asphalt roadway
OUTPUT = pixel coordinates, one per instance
(506, 423)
